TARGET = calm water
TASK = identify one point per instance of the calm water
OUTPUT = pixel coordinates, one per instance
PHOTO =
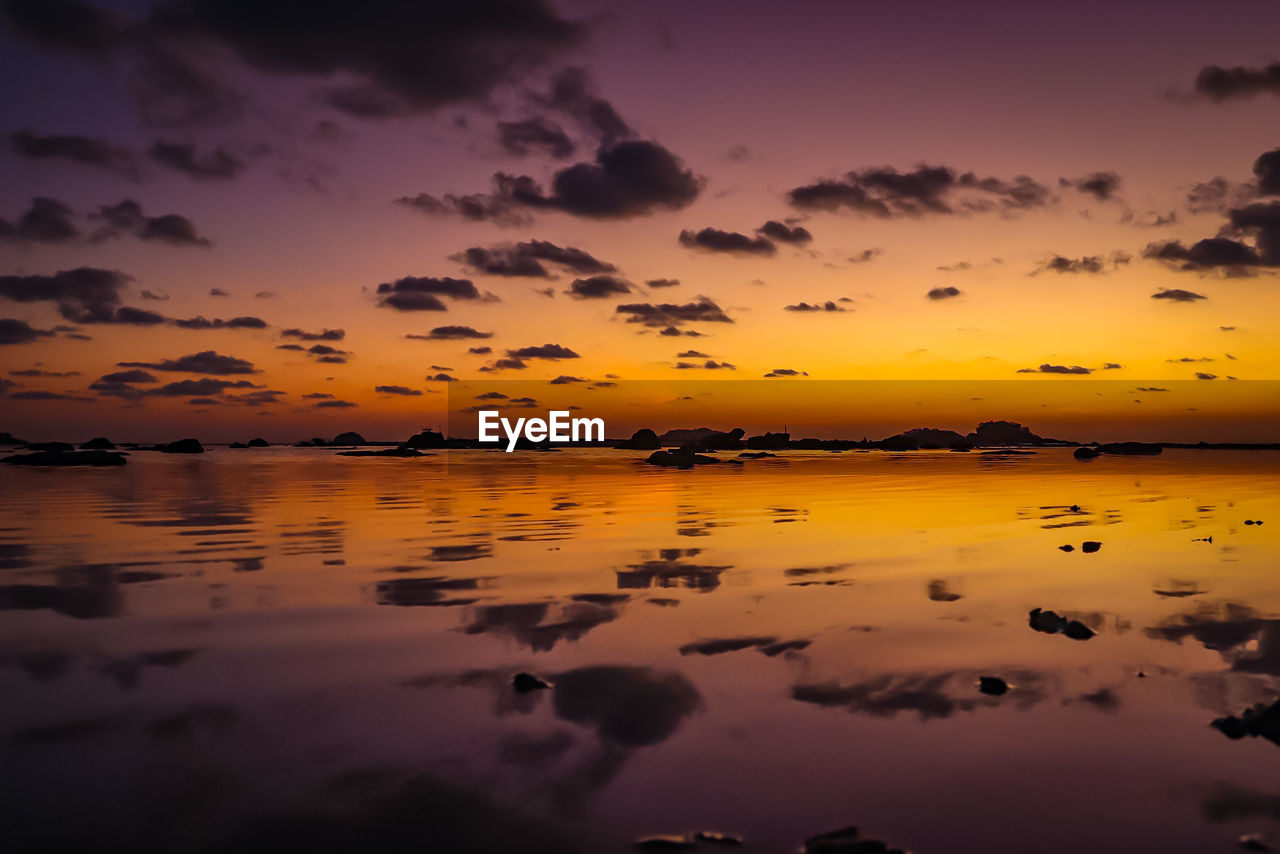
(273, 649)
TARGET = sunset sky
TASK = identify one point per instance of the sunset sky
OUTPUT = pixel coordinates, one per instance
(230, 218)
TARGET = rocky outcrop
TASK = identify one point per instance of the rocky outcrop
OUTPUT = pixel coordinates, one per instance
(1084, 453)
(425, 439)
(768, 442)
(385, 452)
(259, 443)
(679, 458)
(101, 443)
(1003, 433)
(181, 446)
(10, 439)
(643, 439)
(349, 438)
(1130, 449)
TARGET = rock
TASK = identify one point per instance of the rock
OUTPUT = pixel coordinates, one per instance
(10, 439)
(711, 837)
(680, 458)
(182, 446)
(755, 455)
(643, 439)
(1077, 630)
(1090, 546)
(1003, 433)
(1258, 721)
(665, 843)
(259, 443)
(1052, 623)
(931, 438)
(1248, 521)
(526, 682)
(425, 439)
(846, 841)
(769, 442)
(304, 443)
(1142, 449)
(385, 452)
(348, 438)
(67, 458)
(1254, 842)
(101, 443)
(49, 446)
(730, 441)
(237, 445)
(993, 685)
(1086, 453)
(1067, 548)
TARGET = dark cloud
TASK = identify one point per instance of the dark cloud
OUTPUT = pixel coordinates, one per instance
(785, 372)
(397, 389)
(525, 137)
(783, 233)
(475, 207)
(204, 362)
(41, 394)
(866, 255)
(526, 259)
(399, 57)
(598, 287)
(83, 295)
(662, 283)
(204, 387)
(1203, 375)
(573, 94)
(46, 221)
(1177, 295)
(336, 404)
(543, 351)
(1103, 186)
(1212, 253)
(127, 217)
(480, 351)
(452, 333)
(14, 331)
(202, 322)
(1266, 172)
(422, 293)
(1220, 84)
(504, 365)
(322, 335)
(709, 364)
(1059, 264)
(886, 192)
(829, 305)
(66, 24)
(86, 150)
(40, 372)
(671, 315)
(940, 293)
(715, 240)
(216, 165)
(1056, 369)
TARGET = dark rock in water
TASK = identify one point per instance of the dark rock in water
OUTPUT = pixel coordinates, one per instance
(320, 443)
(755, 455)
(182, 446)
(49, 446)
(67, 458)
(425, 439)
(1142, 449)
(237, 445)
(1259, 721)
(711, 837)
(940, 591)
(526, 682)
(385, 452)
(680, 458)
(1086, 453)
(1067, 548)
(348, 438)
(643, 439)
(303, 443)
(259, 443)
(1003, 433)
(665, 843)
(1077, 630)
(846, 841)
(768, 442)
(1090, 546)
(730, 441)
(101, 443)
(1254, 842)
(931, 438)
(993, 685)
(10, 439)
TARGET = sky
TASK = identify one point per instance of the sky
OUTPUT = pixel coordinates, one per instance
(237, 218)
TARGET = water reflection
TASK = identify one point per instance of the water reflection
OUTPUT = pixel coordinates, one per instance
(320, 652)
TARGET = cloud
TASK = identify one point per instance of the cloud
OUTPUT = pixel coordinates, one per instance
(702, 310)
(829, 305)
(662, 283)
(46, 221)
(204, 362)
(1103, 186)
(85, 150)
(14, 331)
(216, 165)
(127, 217)
(83, 295)
(1220, 84)
(452, 333)
(782, 233)
(629, 179)
(480, 351)
(598, 287)
(543, 351)
(885, 192)
(522, 138)
(947, 292)
(397, 389)
(203, 387)
(66, 24)
(692, 354)
(709, 364)
(1201, 375)
(415, 293)
(336, 404)
(201, 322)
(442, 378)
(1060, 264)
(867, 255)
(526, 260)
(715, 240)
(565, 379)
(322, 335)
(1177, 295)
(573, 94)
(786, 372)
(1056, 369)
(1266, 171)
